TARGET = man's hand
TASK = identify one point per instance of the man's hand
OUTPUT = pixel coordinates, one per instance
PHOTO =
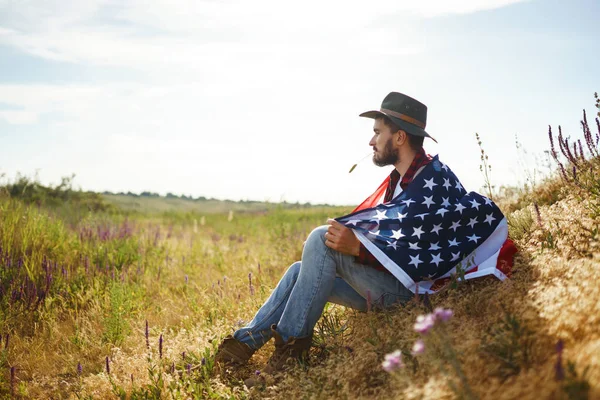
(342, 239)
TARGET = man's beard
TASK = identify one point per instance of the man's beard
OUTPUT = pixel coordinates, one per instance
(387, 156)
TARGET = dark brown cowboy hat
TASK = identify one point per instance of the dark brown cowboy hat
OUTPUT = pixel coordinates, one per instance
(404, 111)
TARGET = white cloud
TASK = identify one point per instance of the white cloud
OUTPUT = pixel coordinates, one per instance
(159, 34)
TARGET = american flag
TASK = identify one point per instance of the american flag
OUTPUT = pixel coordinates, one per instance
(431, 229)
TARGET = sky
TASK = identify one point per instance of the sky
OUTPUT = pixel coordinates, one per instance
(259, 100)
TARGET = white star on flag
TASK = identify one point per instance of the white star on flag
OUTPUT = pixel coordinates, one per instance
(397, 234)
(441, 211)
(434, 246)
(380, 215)
(447, 183)
(455, 225)
(428, 201)
(445, 167)
(475, 204)
(413, 246)
(415, 261)
(353, 222)
(401, 216)
(472, 222)
(473, 238)
(436, 259)
(393, 245)
(459, 208)
(489, 218)
(436, 228)
(488, 202)
(453, 242)
(408, 202)
(446, 201)
(455, 256)
(458, 186)
(418, 232)
(429, 184)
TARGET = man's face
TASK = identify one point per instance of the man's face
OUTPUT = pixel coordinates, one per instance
(384, 149)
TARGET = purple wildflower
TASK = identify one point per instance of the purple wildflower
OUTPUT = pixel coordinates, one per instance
(186, 279)
(160, 346)
(392, 361)
(257, 372)
(147, 333)
(107, 365)
(203, 361)
(6, 342)
(183, 355)
(12, 380)
(552, 148)
(189, 368)
(250, 284)
(79, 368)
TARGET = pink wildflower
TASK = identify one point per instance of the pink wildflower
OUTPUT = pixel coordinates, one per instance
(418, 347)
(443, 314)
(392, 361)
(424, 323)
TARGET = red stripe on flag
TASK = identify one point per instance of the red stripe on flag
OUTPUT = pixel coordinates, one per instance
(373, 199)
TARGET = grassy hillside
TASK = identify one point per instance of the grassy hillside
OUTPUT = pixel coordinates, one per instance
(158, 205)
(118, 305)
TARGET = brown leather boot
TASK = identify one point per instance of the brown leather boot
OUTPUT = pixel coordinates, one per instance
(294, 349)
(233, 353)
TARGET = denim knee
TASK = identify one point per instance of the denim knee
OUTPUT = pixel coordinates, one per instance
(294, 269)
(318, 234)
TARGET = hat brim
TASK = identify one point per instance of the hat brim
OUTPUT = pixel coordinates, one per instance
(406, 126)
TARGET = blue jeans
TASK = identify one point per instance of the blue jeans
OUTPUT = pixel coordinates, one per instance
(323, 275)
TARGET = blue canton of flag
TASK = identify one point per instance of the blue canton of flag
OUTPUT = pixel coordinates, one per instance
(431, 226)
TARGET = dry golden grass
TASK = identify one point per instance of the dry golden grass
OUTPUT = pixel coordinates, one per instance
(554, 292)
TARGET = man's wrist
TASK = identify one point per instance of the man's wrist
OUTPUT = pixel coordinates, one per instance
(356, 251)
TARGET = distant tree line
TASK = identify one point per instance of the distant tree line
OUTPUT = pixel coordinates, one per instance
(170, 195)
(31, 191)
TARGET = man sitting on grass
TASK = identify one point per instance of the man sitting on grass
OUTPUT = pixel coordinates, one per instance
(417, 229)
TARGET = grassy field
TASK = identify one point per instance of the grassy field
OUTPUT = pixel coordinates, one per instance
(96, 302)
(161, 205)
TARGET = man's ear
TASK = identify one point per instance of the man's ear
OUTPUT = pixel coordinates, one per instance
(401, 138)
